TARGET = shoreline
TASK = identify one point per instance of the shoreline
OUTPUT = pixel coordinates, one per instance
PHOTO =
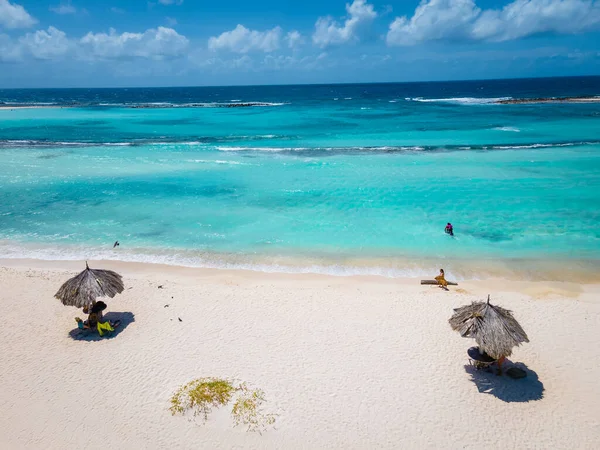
(536, 288)
(344, 265)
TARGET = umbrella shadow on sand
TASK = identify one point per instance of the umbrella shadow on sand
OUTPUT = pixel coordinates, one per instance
(92, 335)
(506, 388)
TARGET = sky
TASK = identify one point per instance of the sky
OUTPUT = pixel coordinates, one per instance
(126, 43)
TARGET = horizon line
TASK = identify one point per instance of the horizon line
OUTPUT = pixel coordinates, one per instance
(305, 84)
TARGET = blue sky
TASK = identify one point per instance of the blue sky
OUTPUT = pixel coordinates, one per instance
(79, 43)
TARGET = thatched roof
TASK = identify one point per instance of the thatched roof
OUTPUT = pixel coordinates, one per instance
(83, 289)
(494, 329)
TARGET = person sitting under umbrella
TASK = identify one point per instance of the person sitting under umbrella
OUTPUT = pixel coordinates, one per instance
(95, 319)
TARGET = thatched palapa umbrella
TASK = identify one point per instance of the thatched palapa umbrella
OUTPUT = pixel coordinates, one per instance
(82, 290)
(494, 329)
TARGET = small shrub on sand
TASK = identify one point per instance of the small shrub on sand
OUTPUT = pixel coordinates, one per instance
(202, 395)
(247, 410)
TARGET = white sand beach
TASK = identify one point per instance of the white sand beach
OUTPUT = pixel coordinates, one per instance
(349, 363)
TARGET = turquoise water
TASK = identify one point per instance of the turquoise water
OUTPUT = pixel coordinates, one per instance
(350, 183)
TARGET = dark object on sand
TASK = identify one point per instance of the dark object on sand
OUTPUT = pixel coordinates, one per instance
(83, 289)
(516, 373)
(477, 355)
(479, 359)
(161, 286)
(98, 306)
(434, 282)
(494, 329)
(180, 319)
(166, 306)
(116, 244)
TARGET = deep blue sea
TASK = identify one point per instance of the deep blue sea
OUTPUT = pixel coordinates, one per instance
(344, 179)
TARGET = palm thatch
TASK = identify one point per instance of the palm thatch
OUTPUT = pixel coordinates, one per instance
(83, 289)
(494, 329)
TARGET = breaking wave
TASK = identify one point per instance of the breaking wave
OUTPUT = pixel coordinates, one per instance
(195, 141)
(146, 105)
(460, 100)
(205, 259)
(513, 129)
(397, 149)
(220, 144)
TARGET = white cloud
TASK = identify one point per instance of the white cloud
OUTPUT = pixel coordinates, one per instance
(294, 39)
(116, 10)
(160, 43)
(170, 2)
(435, 20)
(528, 17)
(9, 52)
(50, 44)
(464, 20)
(270, 62)
(14, 16)
(243, 40)
(64, 8)
(171, 21)
(329, 32)
(278, 62)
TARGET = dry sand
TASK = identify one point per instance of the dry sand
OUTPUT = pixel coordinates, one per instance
(350, 363)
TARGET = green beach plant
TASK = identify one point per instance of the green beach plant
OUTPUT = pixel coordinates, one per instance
(202, 395)
(247, 410)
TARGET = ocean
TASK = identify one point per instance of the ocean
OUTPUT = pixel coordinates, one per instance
(340, 179)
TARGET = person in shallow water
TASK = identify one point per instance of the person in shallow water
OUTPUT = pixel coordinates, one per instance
(449, 229)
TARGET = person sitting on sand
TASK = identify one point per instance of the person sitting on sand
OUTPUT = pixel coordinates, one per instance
(96, 319)
(441, 279)
(95, 324)
(81, 324)
(96, 315)
(449, 229)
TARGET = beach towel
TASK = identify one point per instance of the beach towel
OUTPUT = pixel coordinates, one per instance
(104, 326)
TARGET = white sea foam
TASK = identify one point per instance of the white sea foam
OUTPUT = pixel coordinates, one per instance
(218, 161)
(316, 149)
(185, 258)
(513, 129)
(258, 149)
(167, 105)
(459, 100)
(19, 104)
(527, 146)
